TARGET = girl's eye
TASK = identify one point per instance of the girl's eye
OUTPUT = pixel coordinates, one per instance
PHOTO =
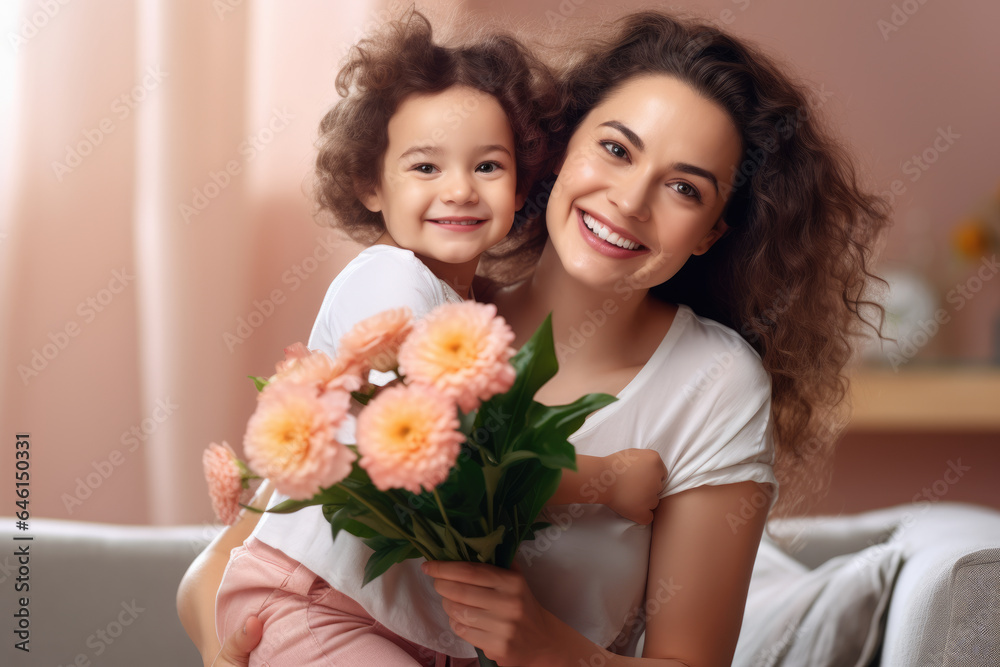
(688, 190)
(488, 167)
(615, 149)
(425, 168)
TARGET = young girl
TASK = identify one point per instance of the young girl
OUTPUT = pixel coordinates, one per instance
(430, 152)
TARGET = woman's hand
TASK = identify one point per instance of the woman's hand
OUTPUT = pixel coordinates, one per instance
(236, 651)
(637, 477)
(494, 610)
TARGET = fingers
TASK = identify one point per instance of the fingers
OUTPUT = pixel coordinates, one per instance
(236, 650)
(477, 574)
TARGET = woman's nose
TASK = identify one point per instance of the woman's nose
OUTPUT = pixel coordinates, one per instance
(459, 189)
(629, 195)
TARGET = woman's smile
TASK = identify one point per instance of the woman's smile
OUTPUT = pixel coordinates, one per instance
(608, 239)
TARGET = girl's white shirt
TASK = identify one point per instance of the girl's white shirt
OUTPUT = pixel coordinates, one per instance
(702, 401)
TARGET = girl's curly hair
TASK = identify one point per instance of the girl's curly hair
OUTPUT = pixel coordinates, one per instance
(792, 272)
(400, 60)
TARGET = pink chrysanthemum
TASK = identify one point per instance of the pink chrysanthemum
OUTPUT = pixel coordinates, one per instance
(408, 438)
(292, 438)
(317, 369)
(225, 481)
(376, 340)
(461, 349)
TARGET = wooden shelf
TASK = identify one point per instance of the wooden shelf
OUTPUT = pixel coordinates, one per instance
(941, 399)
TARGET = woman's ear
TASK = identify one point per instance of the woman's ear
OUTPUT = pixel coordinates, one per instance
(714, 234)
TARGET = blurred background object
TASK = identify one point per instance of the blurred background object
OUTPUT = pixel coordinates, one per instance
(157, 241)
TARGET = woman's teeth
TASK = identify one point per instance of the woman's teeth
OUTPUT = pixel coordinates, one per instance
(606, 234)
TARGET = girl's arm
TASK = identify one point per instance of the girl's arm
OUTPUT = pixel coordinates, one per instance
(198, 588)
(628, 481)
(699, 574)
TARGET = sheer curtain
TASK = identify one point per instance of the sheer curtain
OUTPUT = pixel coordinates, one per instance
(157, 237)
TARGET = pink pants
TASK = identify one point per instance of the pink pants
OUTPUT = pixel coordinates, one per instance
(306, 622)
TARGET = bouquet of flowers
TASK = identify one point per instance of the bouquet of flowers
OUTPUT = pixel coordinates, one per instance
(453, 458)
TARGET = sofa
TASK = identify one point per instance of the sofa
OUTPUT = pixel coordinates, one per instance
(912, 585)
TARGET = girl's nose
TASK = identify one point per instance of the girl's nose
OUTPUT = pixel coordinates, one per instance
(458, 189)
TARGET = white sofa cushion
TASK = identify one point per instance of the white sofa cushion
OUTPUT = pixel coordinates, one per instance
(829, 616)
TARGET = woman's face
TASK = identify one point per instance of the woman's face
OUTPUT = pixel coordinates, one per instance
(643, 184)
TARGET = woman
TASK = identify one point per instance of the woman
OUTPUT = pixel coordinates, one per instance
(693, 180)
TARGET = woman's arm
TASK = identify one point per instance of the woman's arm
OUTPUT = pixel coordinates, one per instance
(198, 588)
(699, 574)
(700, 562)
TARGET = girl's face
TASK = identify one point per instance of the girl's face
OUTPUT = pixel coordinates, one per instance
(448, 184)
(643, 184)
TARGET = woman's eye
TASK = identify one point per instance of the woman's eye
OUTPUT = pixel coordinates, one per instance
(425, 168)
(688, 190)
(615, 149)
(488, 167)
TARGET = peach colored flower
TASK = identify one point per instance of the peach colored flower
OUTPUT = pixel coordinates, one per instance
(408, 438)
(317, 369)
(291, 438)
(376, 340)
(461, 349)
(225, 481)
(293, 353)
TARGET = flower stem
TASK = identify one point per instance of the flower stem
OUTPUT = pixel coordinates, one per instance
(444, 515)
(400, 532)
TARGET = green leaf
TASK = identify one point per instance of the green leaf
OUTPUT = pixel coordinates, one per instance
(449, 538)
(548, 424)
(462, 493)
(342, 518)
(330, 496)
(486, 546)
(361, 397)
(259, 382)
(387, 554)
(503, 416)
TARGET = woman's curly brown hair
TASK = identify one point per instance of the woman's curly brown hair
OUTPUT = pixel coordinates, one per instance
(401, 60)
(792, 272)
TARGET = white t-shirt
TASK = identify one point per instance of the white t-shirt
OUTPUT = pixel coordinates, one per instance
(702, 401)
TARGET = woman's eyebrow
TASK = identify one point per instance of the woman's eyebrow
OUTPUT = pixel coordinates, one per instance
(629, 134)
(698, 171)
(680, 166)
